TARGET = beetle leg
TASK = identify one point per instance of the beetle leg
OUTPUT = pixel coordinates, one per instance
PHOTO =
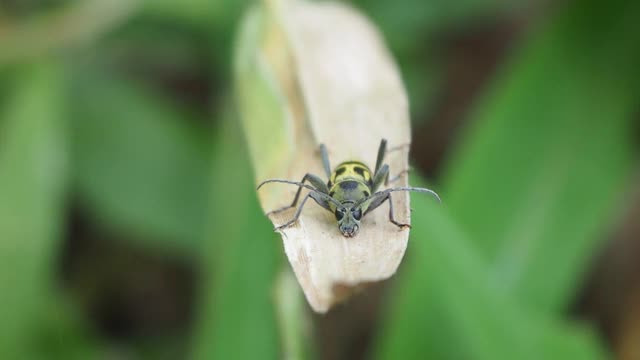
(397, 177)
(318, 199)
(378, 199)
(398, 147)
(315, 181)
(391, 217)
(382, 150)
(381, 176)
(325, 161)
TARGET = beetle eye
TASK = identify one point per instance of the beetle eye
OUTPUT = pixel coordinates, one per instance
(339, 215)
(357, 214)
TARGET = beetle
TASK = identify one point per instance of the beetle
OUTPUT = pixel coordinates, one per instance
(350, 193)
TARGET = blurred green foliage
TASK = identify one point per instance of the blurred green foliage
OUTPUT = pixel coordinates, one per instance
(530, 191)
(33, 174)
(155, 187)
(529, 194)
(238, 318)
(547, 201)
(448, 308)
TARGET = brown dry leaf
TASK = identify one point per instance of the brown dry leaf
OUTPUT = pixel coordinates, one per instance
(311, 73)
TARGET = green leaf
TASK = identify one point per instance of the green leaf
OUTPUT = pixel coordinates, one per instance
(33, 169)
(448, 308)
(240, 257)
(550, 150)
(140, 165)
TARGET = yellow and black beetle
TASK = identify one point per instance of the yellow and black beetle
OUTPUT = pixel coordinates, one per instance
(351, 192)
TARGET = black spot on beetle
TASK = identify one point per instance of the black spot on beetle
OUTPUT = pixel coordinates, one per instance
(332, 193)
(348, 185)
(366, 193)
(340, 171)
(359, 170)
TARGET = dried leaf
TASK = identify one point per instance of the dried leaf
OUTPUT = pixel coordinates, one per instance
(312, 73)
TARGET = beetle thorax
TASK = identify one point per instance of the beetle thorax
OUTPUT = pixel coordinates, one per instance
(350, 182)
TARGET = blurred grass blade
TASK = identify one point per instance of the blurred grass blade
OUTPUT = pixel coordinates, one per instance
(76, 23)
(447, 308)
(141, 165)
(33, 161)
(537, 176)
(240, 258)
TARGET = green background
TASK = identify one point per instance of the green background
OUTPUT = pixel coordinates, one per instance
(130, 228)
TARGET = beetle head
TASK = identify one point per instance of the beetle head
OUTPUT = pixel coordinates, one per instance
(348, 220)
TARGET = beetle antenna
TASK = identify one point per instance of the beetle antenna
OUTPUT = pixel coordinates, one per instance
(297, 183)
(286, 182)
(414, 189)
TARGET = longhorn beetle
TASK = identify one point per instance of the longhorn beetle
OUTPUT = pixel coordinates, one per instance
(351, 192)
